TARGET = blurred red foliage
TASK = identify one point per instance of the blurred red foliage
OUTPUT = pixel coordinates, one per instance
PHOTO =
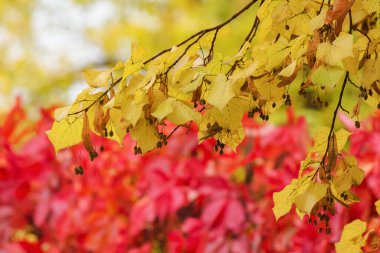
(182, 198)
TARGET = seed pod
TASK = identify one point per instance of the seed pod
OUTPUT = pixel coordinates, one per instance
(86, 139)
(332, 153)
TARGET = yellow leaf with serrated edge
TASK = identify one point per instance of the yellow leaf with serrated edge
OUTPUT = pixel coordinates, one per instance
(283, 200)
(327, 76)
(145, 134)
(352, 239)
(306, 201)
(66, 133)
(333, 53)
(377, 204)
(221, 92)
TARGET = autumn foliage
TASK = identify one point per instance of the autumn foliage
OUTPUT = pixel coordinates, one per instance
(184, 197)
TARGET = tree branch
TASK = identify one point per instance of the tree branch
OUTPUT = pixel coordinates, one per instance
(204, 31)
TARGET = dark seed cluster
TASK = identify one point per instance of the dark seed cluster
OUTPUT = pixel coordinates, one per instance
(219, 147)
(79, 170)
(137, 150)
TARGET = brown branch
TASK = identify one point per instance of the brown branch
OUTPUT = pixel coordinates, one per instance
(204, 31)
(184, 52)
(96, 100)
(339, 105)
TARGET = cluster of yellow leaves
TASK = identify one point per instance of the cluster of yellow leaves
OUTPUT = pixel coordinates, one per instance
(308, 189)
(145, 93)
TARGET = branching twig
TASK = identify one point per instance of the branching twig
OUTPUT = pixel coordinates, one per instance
(96, 100)
(204, 31)
(339, 105)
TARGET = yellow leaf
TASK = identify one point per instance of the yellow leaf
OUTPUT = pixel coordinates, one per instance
(341, 137)
(352, 239)
(66, 133)
(333, 53)
(99, 78)
(178, 112)
(221, 92)
(377, 204)
(232, 138)
(315, 23)
(96, 78)
(371, 6)
(191, 80)
(132, 107)
(320, 139)
(371, 72)
(347, 175)
(289, 70)
(283, 200)
(277, 53)
(145, 134)
(118, 125)
(239, 175)
(327, 76)
(245, 72)
(164, 109)
(304, 164)
(61, 113)
(306, 201)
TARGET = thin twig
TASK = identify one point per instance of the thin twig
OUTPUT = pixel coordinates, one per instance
(237, 14)
(334, 118)
(96, 100)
